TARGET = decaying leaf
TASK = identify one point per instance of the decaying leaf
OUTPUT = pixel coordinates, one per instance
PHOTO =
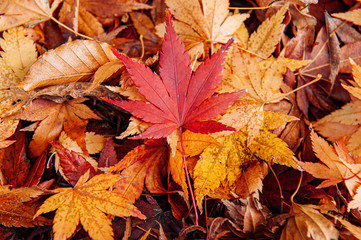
(86, 203)
(308, 223)
(15, 207)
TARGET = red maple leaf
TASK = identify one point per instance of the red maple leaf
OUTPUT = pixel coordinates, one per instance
(177, 98)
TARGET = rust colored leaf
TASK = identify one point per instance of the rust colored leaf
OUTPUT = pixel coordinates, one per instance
(36, 172)
(71, 62)
(15, 207)
(72, 164)
(108, 156)
(146, 165)
(112, 8)
(14, 164)
(54, 117)
(87, 203)
(335, 167)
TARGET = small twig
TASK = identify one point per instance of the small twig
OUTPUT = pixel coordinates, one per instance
(188, 179)
(71, 30)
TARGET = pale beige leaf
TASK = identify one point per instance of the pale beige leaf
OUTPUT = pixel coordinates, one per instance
(19, 51)
(264, 41)
(94, 142)
(71, 62)
(17, 12)
(353, 16)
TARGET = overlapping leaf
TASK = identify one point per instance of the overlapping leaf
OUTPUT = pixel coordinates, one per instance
(347, 117)
(337, 165)
(54, 117)
(71, 62)
(15, 209)
(17, 12)
(178, 99)
(202, 22)
(86, 203)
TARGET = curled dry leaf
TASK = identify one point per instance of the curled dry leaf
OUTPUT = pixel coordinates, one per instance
(309, 223)
(71, 62)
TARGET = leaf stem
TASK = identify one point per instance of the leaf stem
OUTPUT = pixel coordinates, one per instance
(188, 179)
(71, 30)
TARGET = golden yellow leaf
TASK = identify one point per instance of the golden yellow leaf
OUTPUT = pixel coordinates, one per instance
(86, 203)
(19, 51)
(219, 165)
(194, 144)
(201, 22)
(17, 12)
(264, 41)
(353, 16)
(308, 223)
(71, 62)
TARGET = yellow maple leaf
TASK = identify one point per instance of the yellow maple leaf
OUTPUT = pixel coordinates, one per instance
(262, 79)
(263, 42)
(200, 23)
(223, 165)
(86, 203)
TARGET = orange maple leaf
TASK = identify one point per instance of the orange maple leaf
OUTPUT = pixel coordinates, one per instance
(87, 202)
(70, 116)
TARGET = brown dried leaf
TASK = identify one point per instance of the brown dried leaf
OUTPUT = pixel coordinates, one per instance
(15, 211)
(71, 62)
(308, 224)
(112, 8)
(70, 116)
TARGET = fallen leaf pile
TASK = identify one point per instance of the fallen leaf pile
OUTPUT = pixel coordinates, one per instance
(169, 119)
